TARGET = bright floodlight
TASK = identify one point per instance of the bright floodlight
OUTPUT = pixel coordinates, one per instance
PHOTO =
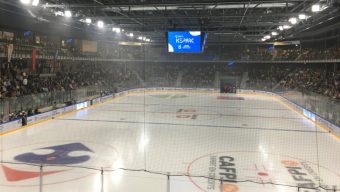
(35, 2)
(88, 20)
(140, 38)
(147, 40)
(45, 5)
(263, 39)
(302, 16)
(100, 24)
(286, 27)
(280, 28)
(68, 13)
(316, 8)
(59, 13)
(131, 34)
(26, 2)
(267, 37)
(116, 29)
(293, 20)
(274, 33)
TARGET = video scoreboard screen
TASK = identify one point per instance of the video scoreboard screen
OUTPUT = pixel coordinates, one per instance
(185, 41)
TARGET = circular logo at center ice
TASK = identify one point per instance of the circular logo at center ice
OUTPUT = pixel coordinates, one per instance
(232, 167)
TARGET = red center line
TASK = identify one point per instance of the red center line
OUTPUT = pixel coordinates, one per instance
(206, 114)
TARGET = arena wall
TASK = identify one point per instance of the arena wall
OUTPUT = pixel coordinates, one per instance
(17, 124)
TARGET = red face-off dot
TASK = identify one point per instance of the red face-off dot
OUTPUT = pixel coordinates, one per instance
(50, 158)
(230, 188)
(289, 163)
(262, 174)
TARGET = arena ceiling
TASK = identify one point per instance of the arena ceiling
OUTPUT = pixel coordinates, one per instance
(224, 21)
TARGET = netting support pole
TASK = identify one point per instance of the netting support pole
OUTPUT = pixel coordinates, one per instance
(334, 188)
(41, 179)
(2, 143)
(298, 189)
(221, 185)
(168, 183)
(102, 180)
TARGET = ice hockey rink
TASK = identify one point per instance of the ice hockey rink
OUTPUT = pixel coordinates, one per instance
(173, 141)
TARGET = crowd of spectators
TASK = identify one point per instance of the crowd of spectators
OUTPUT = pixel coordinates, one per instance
(302, 79)
(270, 53)
(109, 50)
(16, 81)
(266, 78)
(292, 53)
(199, 76)
(319, 54)
(286, 54)
(313, 80)
(161, 74)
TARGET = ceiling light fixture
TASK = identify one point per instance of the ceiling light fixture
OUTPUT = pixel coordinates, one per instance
(267, 37)
(26, 2)
(88, 20)
(274, 33)
(35, 2)
(287, 27)
(100, 24)
(293, 20)
(68, 13)
(116, 29)
(316, 8)
(302, 16)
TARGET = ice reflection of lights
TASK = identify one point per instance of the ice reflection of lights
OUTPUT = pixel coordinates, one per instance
(143, 142)
(271, 166)
(263, 152)
(81, 113)
(117, 175)
(97, 183)
(281, 188)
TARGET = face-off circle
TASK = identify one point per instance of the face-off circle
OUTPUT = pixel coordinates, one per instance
(63, 157)
(234, 166)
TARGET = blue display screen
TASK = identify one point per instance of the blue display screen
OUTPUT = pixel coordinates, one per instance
(27, 33)
(69, 40)
(184, 42)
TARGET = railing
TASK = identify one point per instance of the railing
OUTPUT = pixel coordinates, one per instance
(321, 105)
(49, 99)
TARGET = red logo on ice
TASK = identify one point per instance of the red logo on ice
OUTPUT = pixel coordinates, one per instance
(18, 175)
